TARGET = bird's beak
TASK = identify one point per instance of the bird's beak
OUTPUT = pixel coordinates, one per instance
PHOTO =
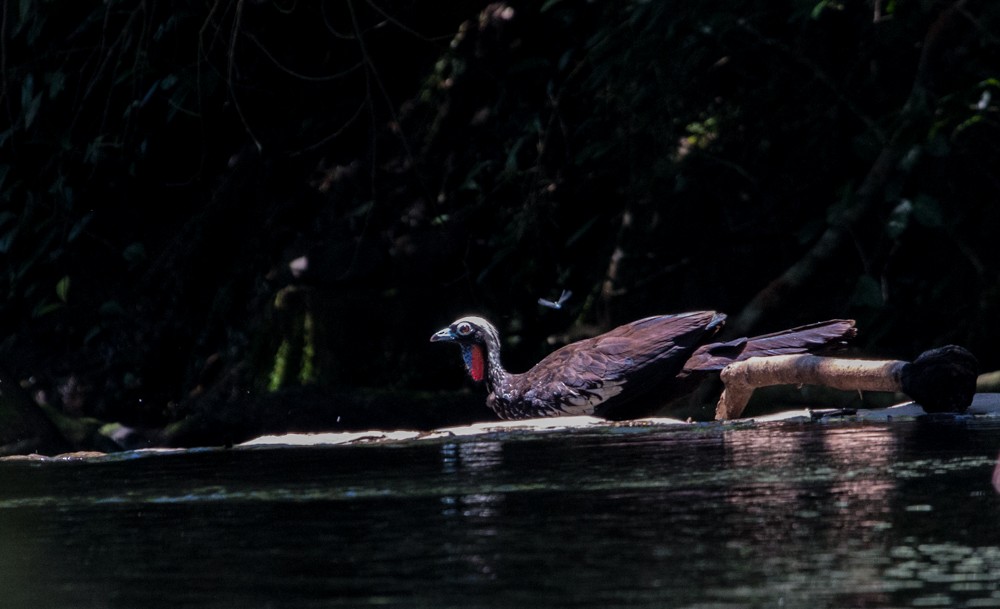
(443, 335)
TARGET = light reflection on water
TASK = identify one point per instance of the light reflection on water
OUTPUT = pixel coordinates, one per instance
(818, 515)
(996, 476)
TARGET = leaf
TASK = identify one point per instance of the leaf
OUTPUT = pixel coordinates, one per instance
(93, 153)
(145, 99)
(23, 14)
(45, 308)
(867, 292)
(899, 219)
(7, 237)
(62, 288)
(564, 60)
(360, 210)
(77, 228)
(92, 334)
(810, 231)
(928, 212)
(56, 82)
(165, 28)
(511, 165)
(30, 101)
(583, 230)
(168, 82)
(111, 308)
(911, 158)
(938, 145)
(134, 253)
(818, 9)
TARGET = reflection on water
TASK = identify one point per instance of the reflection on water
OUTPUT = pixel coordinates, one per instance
(866, 509)
(473, 513)
(996, 476)
(822, 495)
(817, 515)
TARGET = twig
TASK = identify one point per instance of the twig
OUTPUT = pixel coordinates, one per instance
(237, 19)
(305, 77)
(405, 27)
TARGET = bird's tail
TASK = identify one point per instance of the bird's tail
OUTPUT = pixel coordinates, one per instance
(812, 338)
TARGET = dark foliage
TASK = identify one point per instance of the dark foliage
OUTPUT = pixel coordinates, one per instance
(162, 164)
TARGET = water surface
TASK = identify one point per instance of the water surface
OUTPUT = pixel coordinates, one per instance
(766, 515)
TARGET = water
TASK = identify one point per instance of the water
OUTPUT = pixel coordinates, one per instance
(706, 516)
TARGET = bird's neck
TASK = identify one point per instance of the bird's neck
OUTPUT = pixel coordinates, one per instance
(482, 361)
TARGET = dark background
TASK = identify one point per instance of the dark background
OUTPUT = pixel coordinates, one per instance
(163, 163)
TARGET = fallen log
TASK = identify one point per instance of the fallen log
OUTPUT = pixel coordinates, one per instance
(940, 380)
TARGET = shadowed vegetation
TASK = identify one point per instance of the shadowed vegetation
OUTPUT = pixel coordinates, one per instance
(218, 219)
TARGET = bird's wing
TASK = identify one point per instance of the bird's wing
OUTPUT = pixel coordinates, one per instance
(626, 360)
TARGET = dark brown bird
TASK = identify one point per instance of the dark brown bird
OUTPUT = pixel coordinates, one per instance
(626, 373)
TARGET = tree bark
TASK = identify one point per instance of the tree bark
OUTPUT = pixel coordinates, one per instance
(940, 380)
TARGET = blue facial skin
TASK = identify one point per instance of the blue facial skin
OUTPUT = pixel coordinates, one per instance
(467, 357)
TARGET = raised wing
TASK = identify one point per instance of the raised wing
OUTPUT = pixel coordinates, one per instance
(813, 338)
(622, 365)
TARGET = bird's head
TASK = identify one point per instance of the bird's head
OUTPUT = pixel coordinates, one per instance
(477, 338)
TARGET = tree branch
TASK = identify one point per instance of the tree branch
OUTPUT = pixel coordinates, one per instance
(940, 380)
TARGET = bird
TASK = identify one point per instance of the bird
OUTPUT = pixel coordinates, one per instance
(628, 372)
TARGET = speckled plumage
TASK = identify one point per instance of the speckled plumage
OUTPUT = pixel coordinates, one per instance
(625, 373)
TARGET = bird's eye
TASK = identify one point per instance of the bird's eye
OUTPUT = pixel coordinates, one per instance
(465, 328)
